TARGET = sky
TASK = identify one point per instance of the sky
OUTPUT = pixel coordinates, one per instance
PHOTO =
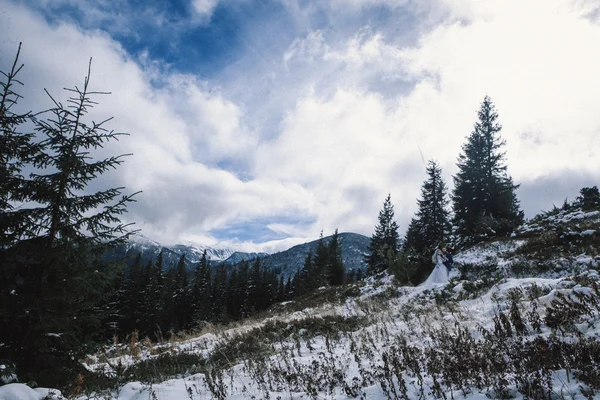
(258, 124)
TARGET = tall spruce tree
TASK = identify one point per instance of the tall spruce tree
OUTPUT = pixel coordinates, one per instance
(201, 291)
(335, 266)
(56, 265)
(484, 197)
(385, 240)
(318, 275)
(431, 224)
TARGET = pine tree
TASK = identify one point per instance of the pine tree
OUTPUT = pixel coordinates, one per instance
(16, 150)
(484, 198)
(384, 241)
(219, 295)
(589, 198)
(241, 290)
(335, 266)
(182, 295)
(153, 299)
(129, 299)
(168, 318)
(255, 285)
(56, 265)
(318, 274)
(302, 279)
(201, 291)
(430, 226)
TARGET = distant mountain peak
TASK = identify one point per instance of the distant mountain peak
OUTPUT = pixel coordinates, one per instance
(354, 247)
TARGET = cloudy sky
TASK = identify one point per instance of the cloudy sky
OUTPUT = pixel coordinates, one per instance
(257, 124)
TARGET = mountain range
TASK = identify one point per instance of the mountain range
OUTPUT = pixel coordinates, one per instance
(353, 245)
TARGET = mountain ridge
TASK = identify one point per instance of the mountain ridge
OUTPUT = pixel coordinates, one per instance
(353, 245)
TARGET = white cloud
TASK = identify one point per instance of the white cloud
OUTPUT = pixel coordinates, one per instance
(537, 62)
(327, 127)
(178, 132)
(345, 150)
(204, 8)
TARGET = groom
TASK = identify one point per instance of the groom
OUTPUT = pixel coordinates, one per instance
(448, 256)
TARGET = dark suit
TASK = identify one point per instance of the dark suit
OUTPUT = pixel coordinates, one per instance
(449, 261)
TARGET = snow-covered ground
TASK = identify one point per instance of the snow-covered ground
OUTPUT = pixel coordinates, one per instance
(384, 341)
(350, 364)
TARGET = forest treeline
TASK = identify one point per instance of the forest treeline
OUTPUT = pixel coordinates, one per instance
(155, 299)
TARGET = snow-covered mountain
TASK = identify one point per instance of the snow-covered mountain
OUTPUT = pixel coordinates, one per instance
(239, 256)
(150, 250)
(353, 245)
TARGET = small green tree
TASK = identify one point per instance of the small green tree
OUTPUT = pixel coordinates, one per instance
(431, 225)
(403, 268)
(589, 198)
(384, 240)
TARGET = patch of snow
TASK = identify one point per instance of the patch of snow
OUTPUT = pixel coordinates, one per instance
(20, 391)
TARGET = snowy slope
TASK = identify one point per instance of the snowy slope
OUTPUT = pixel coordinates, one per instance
(352, 363)
(507, 325)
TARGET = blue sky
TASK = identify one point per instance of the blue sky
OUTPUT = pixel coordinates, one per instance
(259, 124)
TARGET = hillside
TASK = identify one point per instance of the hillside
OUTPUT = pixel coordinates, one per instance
(519, 318)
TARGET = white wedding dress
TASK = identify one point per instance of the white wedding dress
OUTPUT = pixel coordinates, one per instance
(438, 276)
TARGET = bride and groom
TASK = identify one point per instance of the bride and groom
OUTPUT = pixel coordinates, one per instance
(443, 264)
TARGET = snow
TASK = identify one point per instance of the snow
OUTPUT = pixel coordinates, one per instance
(316, 352)
(389, 312)
(19, 391)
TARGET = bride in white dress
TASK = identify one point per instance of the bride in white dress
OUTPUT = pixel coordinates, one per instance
(439, 275)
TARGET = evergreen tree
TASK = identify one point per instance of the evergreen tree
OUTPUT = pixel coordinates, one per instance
(219, 311)
(56, 265)
(317, 276)
(359, 274)
(16, 150)
(153, 298)
(255, 289)
(241, 291)
(182, 296)
(289, 287)
(281, 296)
(484, 198)
(302, 280)
(201, 291)
(430, 226)
(168, 317)
(589, 198)
(129, 298)
(384, 240)
(335, 266)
